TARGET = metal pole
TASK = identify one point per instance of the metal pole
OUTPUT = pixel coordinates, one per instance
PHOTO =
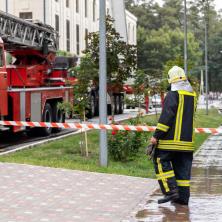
(102, 83)
(185, 36)
(206, 64)
(6, 6)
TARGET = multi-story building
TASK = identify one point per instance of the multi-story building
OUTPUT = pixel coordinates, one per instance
(73, 19)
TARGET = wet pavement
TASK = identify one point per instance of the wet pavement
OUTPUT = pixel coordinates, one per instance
(206, 191)
(43, 194)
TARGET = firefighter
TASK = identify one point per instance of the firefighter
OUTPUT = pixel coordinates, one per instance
(174, 139)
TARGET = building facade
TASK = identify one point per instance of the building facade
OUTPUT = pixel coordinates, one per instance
(73, 19)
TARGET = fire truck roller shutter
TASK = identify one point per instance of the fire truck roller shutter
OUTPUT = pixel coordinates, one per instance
(22, 108)
(36, 113)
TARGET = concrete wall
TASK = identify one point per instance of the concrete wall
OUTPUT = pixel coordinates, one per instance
(59, 8)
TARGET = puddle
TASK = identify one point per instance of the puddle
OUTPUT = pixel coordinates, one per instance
(206, 191)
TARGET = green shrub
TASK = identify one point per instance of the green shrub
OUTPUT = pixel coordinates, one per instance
(124, 145)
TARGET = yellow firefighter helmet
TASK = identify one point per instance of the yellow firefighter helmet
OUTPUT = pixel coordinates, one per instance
(176, 74)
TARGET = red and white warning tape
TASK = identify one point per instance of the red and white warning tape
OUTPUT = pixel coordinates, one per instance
(100, 126)
(79, 126)
(209, 130)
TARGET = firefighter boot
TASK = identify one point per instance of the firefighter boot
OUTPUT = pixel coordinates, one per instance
(180, 202)
(171, 196)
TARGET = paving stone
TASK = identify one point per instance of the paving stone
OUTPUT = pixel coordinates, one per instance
(41, 194)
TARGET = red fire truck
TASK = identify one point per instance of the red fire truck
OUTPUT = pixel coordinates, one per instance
(33, 84)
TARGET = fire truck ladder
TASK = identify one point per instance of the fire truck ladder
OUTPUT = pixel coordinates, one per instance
(17, 32)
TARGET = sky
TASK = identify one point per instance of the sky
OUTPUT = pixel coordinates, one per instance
(218, 3)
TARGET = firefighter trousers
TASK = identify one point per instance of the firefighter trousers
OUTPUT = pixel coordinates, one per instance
(173, 171)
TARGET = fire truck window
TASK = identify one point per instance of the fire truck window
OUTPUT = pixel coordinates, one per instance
(1, 57)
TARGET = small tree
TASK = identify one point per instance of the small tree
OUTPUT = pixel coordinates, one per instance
(85, 74)
(121, 62)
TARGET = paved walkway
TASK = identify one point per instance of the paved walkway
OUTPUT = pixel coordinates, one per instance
(41, 194)
(206, 191)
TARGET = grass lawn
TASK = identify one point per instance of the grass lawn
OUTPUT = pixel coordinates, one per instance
(66, 153)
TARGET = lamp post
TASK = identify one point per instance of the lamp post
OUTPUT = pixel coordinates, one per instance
(102, 83)
(185, 37)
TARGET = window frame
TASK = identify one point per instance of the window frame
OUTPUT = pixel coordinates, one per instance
(57, 25)
(86, 39)
(94, 10)
(67, 3)
(77, 6)
(68, 35)
(21, 15)
(86, 8)
(77, 39)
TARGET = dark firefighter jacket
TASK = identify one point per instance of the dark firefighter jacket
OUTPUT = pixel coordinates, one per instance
(175, 127)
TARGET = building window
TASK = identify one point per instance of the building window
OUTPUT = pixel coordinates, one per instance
(94, 10)
(77, 6)
(86, 8)
(86, 37)
(77, 40)
(25, 15)
(67, 3)
(57, 23)
(68, 35)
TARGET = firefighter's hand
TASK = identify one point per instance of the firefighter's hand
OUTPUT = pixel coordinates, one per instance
(153, 140)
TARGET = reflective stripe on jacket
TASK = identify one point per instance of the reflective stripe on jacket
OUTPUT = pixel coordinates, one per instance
(175, 127)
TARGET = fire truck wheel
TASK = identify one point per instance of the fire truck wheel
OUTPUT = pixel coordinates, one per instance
(121, 105)
(58, 116)
(92, 107)
(109, 109)
(46, 117)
